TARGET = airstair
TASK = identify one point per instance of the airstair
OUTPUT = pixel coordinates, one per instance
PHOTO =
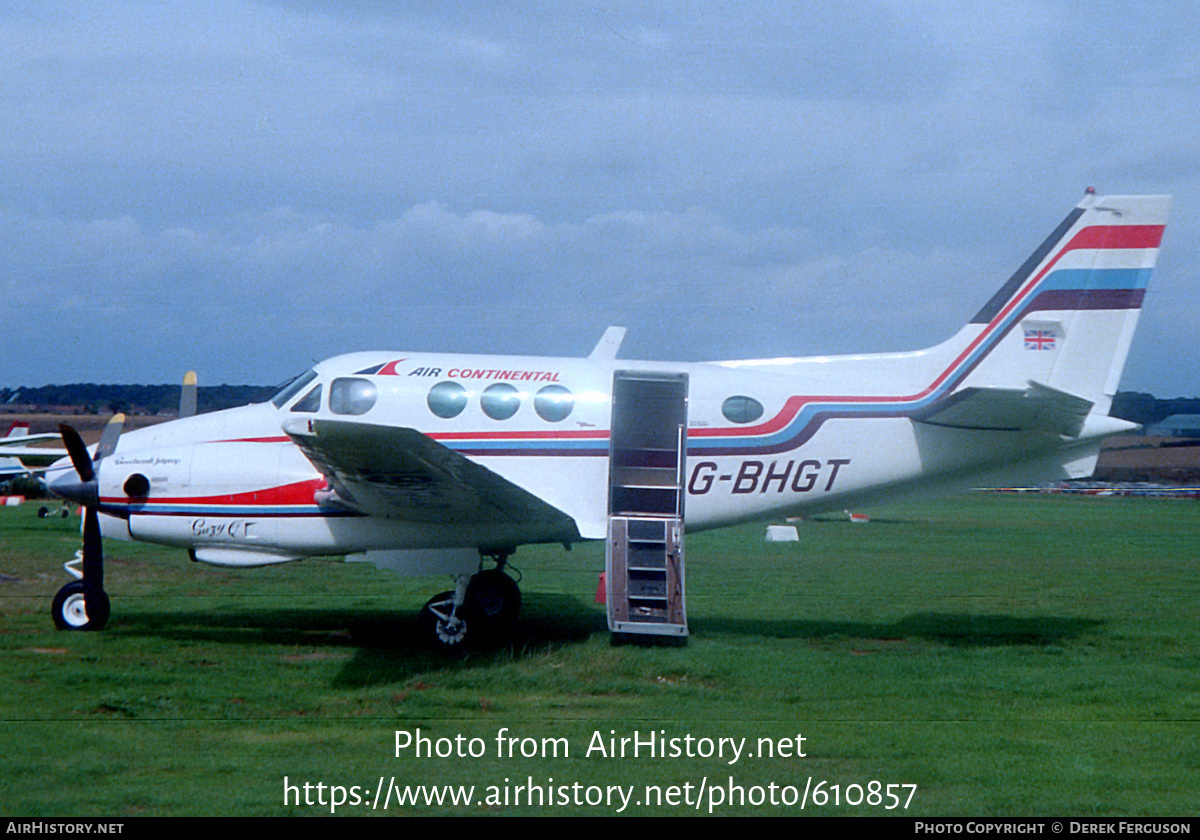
(644, 559)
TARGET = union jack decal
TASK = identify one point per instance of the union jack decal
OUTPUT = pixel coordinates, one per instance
(1039, 339)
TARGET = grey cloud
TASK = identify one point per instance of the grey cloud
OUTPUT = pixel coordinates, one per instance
(513, 177)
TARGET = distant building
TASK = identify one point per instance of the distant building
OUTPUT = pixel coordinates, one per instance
(1177, 425)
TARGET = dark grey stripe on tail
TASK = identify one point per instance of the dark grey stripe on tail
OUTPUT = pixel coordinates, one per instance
(993, 306)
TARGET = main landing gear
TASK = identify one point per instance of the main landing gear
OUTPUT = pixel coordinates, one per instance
(482, 607)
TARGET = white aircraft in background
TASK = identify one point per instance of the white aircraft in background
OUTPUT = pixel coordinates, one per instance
(18, 458)
(428, 463)
(11, 467)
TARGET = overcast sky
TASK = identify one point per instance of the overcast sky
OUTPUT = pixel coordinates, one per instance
(243, 187)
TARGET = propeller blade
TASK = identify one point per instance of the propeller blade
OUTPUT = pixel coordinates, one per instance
(78, 452)
(108, 440)
(187, 396)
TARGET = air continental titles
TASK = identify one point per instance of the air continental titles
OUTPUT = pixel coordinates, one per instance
(655, 744)
(490, 373)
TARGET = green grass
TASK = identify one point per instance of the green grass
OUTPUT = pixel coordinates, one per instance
(1008, 655)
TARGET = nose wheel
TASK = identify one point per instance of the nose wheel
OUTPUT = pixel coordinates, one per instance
(74, 608)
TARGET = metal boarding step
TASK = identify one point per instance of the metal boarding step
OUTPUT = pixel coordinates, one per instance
(644, 576)
(647, 451)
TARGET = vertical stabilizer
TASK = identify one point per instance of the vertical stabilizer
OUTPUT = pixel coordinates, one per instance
(1066, 318)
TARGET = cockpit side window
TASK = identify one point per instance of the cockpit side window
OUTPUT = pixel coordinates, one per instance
(311, 401)
(292, 388)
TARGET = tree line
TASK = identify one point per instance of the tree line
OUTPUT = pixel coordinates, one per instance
(90, 398)
(1147, 410)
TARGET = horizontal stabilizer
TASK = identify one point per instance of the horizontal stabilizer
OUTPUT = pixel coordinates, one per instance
(1036, 408)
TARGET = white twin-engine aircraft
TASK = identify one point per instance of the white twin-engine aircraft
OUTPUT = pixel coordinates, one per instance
(428, 463)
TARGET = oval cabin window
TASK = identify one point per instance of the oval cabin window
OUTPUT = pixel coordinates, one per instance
(500, 401)
(553, 403)
(742, 409)
(447, 399)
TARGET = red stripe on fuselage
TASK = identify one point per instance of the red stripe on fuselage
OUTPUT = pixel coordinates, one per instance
(280, 439)
(593, 434)
(300, 493)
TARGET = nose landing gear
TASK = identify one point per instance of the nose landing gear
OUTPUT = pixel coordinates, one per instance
(74, 608)
(82, 604)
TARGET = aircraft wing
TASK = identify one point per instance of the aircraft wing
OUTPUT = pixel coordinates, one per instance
(31, 457)
(1035, 408)
(400, 473)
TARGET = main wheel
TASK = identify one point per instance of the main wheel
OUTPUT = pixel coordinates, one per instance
(73, 609)
(496, 599)
(443, 631)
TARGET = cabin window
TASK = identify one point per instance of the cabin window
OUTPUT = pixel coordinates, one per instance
(447, 399)
(310, 402)
(742, 409)
(500, 401)
(351, 396)
(293, 387)
(553, 403)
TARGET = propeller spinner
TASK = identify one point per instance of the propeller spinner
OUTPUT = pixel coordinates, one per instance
(83, 604)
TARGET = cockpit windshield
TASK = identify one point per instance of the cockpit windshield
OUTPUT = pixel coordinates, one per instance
(292, 388)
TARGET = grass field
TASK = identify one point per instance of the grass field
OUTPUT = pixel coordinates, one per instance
(1008, 655)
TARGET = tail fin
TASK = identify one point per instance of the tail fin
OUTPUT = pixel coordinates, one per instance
(1065, 319)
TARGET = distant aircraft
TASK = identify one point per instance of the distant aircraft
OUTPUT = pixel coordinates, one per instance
(12, 467)
(430, 463)
(18, 458)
